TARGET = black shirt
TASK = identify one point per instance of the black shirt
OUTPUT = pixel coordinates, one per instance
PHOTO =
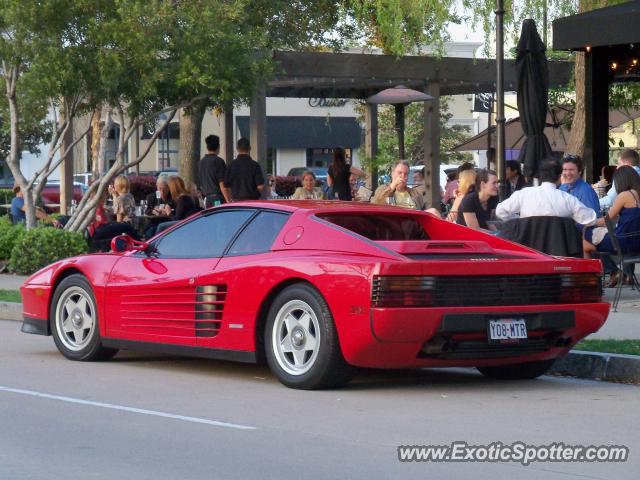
(341, 184)
(471, 204)
(153, 202)
(243, 177)
(185, 207)
(211, 171)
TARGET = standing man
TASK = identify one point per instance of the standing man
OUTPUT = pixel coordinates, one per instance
(211, 172)
(625, 157)
(573, 184)
(244, 179)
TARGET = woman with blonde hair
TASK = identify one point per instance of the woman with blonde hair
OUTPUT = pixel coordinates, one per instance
(466, 184)
(124, 204)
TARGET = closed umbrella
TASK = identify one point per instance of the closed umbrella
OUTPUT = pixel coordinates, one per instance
(532, 74)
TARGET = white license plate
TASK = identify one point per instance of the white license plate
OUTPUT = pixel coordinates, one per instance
(507, 329)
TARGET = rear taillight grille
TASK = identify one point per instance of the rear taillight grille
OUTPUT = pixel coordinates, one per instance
(486, 290)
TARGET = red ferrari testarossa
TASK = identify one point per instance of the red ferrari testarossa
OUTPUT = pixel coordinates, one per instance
(318, 288)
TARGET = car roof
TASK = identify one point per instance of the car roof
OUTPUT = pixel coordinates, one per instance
(317, 206)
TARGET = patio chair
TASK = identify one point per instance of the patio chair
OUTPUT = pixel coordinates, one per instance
(621, 258)
(551, 235)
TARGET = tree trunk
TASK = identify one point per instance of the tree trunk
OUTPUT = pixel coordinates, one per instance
(190, 139)
(576, 142)
(575, 145)
(95, 142)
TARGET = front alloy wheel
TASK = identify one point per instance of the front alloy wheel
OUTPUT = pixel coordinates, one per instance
(74, 321)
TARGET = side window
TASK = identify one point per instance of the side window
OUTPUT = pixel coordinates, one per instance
(206, 236)
(258, 236)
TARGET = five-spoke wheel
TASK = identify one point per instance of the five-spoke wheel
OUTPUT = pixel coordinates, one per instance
(74, 321)
(296, 337)
(302, 345)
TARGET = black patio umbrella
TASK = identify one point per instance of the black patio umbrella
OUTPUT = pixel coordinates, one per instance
(532, 75)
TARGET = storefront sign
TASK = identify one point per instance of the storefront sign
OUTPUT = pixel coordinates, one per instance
(327, 102)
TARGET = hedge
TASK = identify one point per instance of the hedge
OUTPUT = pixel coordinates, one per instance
(42, 246)
(9, 236)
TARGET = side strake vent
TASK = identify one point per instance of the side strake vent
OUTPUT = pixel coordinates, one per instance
(210, 301)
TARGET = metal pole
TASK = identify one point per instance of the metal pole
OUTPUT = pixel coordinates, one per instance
(500, 153)
(400, 129)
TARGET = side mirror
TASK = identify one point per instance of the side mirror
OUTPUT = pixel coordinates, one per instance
(124, 243)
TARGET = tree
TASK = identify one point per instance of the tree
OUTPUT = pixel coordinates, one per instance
(128, 59)
(37, 49)
(393, 25)
(131, 60)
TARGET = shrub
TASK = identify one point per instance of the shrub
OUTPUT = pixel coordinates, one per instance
(9, 236)
(6, 195)
(285, 186)
(42, 246)
(141, 185)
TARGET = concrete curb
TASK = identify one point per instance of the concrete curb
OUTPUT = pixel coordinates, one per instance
(11, 311)
(592, 365)
(610, 367)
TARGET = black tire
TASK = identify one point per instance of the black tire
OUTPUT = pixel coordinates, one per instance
(73, 316)
(517, 371)
(304, 358)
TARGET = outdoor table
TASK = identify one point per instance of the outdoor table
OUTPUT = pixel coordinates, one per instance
(142, 222)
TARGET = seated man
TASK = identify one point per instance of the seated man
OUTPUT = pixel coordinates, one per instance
(397, 192)
(18, 210)
(546, 200)
(514, 178)
(572, 182)
(155, 202)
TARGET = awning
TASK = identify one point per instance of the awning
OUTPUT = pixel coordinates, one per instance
(615, 25)
(308, 132)
(556, 130)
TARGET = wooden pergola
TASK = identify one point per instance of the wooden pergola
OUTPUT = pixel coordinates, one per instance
(358, 76)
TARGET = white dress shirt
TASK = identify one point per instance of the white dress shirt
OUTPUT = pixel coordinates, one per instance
(607, 201)
(545, 201)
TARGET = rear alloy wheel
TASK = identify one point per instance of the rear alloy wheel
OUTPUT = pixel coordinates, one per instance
(74, 321)
(302, 345)
(517, 371)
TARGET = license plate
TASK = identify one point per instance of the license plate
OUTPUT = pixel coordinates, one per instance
(507, 329)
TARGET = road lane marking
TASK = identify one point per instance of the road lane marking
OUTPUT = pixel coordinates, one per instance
(79, 401)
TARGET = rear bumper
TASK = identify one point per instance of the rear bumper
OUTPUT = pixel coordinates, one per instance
(412, 337)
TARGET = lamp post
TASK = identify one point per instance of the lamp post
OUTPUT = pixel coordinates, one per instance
(500, 153)
(399, 96)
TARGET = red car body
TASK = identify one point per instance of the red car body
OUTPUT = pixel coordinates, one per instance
(402, 288)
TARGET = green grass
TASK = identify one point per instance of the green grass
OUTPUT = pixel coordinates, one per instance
(10, 296)
(628, 347)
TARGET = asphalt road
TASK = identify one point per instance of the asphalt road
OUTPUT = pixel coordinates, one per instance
(141, 416)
